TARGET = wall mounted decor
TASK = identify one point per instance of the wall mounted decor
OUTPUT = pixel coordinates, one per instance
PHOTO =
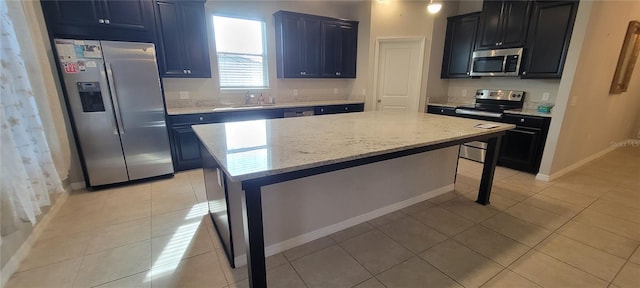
(628, 56)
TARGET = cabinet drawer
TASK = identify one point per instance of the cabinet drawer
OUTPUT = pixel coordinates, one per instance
(441, 110)
(335, 109)
(192, 119)
(521, 120)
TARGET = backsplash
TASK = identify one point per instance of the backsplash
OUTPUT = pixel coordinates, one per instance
(534, 89)
(201, 92)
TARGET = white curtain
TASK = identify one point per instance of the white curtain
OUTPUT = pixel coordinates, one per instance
(28, 174)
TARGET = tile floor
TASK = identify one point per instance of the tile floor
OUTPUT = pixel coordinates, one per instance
(582, 230)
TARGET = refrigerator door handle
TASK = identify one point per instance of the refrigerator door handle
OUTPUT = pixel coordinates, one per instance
(112, 87)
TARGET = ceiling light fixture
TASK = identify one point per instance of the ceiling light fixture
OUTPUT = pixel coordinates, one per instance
(434, 8)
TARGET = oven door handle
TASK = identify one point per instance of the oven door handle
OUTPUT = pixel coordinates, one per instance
(478, 113)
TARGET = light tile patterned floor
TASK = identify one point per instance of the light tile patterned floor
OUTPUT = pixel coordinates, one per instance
(582, 230)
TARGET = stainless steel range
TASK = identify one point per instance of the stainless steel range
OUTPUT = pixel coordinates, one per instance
(489, 105)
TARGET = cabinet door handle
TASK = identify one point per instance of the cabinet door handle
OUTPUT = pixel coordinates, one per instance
(338, 73)
(303, 73)
(107, 21)
(441, 110)
(101, 21)
(188, 71)
(497, 43)
(184, 71)
(201, 118)
(346, 108)
(321, 109)
(524, 72)
(522, 120)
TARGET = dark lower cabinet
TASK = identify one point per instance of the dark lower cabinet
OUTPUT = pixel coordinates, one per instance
(335, 109)
(118, 20)
(522, 147)
(186, 148)
(548, 38)
(441, 110)
(519, 147)
(459, 44)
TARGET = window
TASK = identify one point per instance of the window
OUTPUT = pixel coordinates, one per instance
(242, 61)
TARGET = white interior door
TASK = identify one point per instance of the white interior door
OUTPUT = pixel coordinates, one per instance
(398, 74)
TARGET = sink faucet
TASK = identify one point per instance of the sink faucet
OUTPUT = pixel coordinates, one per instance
(248, 97)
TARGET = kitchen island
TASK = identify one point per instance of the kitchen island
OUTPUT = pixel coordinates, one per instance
(244, 162)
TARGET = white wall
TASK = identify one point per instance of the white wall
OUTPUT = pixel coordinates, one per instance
(437, 88)
(469, 6)
(207, 91)
(534, 89)
(597, 120)
(410, 19)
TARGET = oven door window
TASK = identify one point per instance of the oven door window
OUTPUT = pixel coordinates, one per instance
(493, 64)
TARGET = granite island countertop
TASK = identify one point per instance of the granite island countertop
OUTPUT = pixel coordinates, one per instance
(238, 107)
(253, 149)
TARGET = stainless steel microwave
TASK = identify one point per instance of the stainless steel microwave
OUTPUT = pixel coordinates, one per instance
(500, 62)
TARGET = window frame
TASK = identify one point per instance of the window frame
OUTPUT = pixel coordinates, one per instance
(265, 61)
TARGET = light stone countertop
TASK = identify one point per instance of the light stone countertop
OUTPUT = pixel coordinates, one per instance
(228, 108)
(451, 105)
(253, 149)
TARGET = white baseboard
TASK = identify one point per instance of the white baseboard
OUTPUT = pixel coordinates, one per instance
(574, 166)
(77, 186)
(241, 260)
(13, 263)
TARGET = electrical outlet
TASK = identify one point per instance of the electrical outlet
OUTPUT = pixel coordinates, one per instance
(574, 100)
(184, 95)
(295, 92)
(335, 91)
(545, 96)
(464, 92)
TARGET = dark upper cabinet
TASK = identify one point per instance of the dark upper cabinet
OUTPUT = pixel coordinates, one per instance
(309, 46)
(340, 41)
(183, 43)
(124, 20)
(459, 45)
(298, 46)
(548, 39)
(503, 24)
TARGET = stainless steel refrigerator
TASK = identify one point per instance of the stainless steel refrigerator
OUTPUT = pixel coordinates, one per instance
(113, 91)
